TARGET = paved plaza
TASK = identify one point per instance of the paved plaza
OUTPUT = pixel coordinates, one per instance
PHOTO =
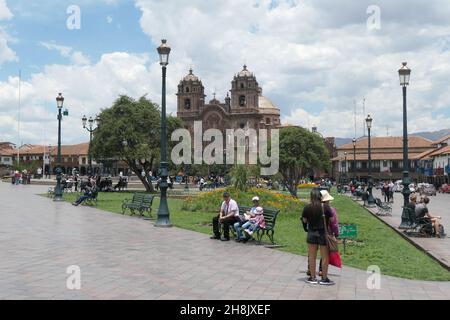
(123, 257)
(439, 206)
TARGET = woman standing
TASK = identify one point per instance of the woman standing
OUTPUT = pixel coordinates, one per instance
(314, 215)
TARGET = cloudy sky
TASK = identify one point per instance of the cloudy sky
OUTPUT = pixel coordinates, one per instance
(315, 59)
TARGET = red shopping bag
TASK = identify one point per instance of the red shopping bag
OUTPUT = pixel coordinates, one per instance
(335, 259)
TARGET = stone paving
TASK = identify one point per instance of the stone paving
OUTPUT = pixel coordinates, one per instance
(439, 206)
(123, 257)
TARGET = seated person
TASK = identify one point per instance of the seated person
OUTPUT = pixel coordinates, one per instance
(90, 192)
(228, 216)
(255, 223)
(238, 225)
(422, 213)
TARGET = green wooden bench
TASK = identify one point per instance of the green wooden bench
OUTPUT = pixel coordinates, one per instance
(92, 200)
(141, 202)
(270, 217)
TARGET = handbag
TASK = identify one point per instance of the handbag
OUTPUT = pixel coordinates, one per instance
(335, 259)
(330, 239)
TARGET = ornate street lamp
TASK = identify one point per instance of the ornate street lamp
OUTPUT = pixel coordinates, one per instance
(354, 160)
(89, 126)
(370, 200)
(404, 73)
(58, 189)
(163, 219)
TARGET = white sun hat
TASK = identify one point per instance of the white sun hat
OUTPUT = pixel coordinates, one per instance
(326, 196)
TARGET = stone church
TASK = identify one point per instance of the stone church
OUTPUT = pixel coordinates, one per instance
(244, 107)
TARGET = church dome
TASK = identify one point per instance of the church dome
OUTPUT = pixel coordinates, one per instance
(245, 72)
(267, 106)
(190, 76)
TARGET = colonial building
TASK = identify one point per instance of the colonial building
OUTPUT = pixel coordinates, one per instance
(386, 155)
(45, 157)
(244, 106)
(434, 164)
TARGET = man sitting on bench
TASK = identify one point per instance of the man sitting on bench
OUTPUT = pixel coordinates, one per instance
(227, 217)
(90, 193)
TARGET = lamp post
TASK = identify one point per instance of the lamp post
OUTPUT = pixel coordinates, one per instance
(163, 219)
(186, 184)
(404, 73)
(58, 190)
(370, 199)
(345, 168)
(354, 160)
(89, 126)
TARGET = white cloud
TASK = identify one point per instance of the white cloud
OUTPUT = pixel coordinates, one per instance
(76, 57)
(5, 13)
(86, 88)
(109, 19)
(317, 54)
(6, 53)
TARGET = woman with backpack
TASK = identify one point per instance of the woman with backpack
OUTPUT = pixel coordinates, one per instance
(316, 216)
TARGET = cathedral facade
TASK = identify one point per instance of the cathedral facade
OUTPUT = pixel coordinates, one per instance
(244, 106)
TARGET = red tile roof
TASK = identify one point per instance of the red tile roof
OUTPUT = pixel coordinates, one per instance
(376, 156)
(388, 142)
(441, 140)
(66, 150)
(441, 151)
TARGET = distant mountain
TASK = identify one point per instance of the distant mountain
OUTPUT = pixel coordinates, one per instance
(433, 135)
(430, 135)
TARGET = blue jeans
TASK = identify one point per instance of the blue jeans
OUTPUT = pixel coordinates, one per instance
(82, 198)
(250, 225)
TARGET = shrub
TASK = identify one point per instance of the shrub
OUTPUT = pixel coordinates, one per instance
(211, 201)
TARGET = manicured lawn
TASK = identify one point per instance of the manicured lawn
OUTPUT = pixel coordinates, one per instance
(377, 244)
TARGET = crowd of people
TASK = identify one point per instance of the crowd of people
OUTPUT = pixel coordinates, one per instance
(23, 177)
(387, 190)
(318, 219)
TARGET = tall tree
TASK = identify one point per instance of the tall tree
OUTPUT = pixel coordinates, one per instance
(130, 131)
(301, 151)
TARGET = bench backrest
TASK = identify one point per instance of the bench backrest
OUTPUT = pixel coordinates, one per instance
(138, 197)
(270, 216)
(147, 200)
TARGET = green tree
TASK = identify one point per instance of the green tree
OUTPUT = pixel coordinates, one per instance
(240, 173)
(130, 130)
(301, 151)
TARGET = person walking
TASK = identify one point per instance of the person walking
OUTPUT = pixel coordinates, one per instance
(75, 181)
(317, 217)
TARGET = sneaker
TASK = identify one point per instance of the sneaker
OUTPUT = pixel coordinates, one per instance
(247, 231)
(326, 282)
(311, 280)
(238, 240)
(215, 237)
(250, 232)
(225, 239)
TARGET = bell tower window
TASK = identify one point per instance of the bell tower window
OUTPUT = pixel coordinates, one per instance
(242, 101)
(187, 103)
(187, 89)
(242, 85)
